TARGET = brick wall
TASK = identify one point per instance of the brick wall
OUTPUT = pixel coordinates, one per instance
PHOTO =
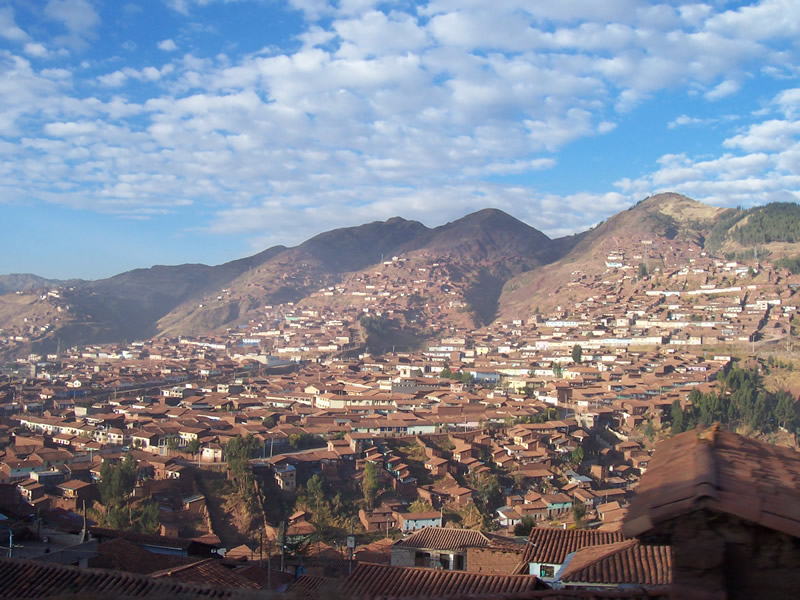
(492, 561)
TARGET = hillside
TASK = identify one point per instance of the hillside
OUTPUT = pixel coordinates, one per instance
(767, 231)
(482, 251)
(416, 281)
(651, 233)
(17, 282)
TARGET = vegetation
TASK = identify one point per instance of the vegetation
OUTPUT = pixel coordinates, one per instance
(369, 484)
(461, 376)
(239, 451)
(741, 401)
(332, 513)
(776, 222)
(793, 264)
(577, 353)
(116, 484)
(419, 505)
(523, 528)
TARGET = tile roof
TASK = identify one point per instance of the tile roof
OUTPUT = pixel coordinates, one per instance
(720, 471)
(551, 546)
(444, 538)
(31, 579)
(207, 572)
(627, 562)
(374, 581)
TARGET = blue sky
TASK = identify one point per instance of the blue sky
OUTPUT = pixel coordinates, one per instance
(171, 131)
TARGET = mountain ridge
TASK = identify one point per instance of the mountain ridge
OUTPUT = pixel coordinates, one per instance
(495, 265)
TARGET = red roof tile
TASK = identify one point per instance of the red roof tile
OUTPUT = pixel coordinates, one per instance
(207, 572)
(727, 473)
(372, 581)
(443, 538)
(627, 562)
(32, 579)
(551, 546)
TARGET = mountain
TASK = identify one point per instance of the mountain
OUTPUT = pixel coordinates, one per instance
(17, 282)
(463, 274)
(483, 250)
(648, 233)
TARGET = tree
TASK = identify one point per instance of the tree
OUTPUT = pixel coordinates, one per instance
(649, 431)
(558, 370)
(577, 353)
(523, 528)
(577, 456)
(578, 513)
(193, 447)
(419, 505)
(471, 517)
(784, 410)
(172, 444)
(642, 270)
(369, 484)
(677, 417)
(117, 481)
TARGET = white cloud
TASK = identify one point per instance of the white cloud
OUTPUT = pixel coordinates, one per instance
(167, 45)
(36, 50)
(9, 28)
(371, 111)
(78, 17)
(723, 89)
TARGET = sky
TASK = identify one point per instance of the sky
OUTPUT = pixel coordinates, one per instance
(173, 131)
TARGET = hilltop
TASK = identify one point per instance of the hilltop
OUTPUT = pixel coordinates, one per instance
(408, 278)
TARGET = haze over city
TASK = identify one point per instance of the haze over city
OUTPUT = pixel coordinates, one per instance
(202, 131)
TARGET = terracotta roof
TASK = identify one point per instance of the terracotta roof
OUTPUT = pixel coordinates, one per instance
(719, 471)
(442, 538)
(126, 556)
(373, 581)
(33, 579)
(207, 572)
(627, 562)
(551, 546)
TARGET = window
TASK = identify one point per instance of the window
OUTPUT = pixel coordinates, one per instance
(547, 571)
(422, 559)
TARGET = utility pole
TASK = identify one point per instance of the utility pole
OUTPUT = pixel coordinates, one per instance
(283, 542)
(269, 564)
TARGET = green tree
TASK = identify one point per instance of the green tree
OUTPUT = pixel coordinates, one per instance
(558, 370)
(677, 417)
(117, 481)
(577, 353)
(577, 456)
(369, 484)
(649, 431)
(642, 271)
(419, 505)
(524, 527)
(784, 410)
(193, 447)
(578, 513)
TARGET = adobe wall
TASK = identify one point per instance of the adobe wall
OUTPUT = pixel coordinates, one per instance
(719, 556)
(492, 561)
